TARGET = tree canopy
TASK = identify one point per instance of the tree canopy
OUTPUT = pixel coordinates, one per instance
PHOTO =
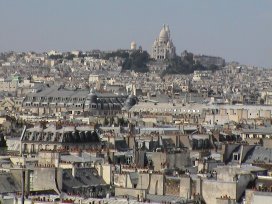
(185, 65)
(136, 61)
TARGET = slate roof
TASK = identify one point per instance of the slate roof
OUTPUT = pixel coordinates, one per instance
(8, 184)
(134, 176)
(165, 198)
(85, 157)
(260, 154)
(83, 178)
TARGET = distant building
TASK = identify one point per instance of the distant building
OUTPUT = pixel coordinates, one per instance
(163, 47)
(55, 138)
(133, 45)
(202, 75)
(54, 101)
(10, 84)
(94, 78)
(209, 60)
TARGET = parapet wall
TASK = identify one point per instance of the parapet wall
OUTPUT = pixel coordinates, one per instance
(156, 184)
(130, 192)
(214, 189)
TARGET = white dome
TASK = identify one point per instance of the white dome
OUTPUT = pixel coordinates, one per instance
(163, 35)
(133, 45)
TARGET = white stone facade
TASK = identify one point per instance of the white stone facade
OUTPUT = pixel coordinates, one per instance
(163, 47)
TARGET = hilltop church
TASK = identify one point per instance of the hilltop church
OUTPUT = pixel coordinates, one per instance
(163, 47)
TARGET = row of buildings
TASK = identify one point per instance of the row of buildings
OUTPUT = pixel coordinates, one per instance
(75, 129)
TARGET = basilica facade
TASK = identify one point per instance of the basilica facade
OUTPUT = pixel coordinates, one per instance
(163, 47)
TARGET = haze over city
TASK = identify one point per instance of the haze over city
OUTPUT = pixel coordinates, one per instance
(235, 30)
(133, 102)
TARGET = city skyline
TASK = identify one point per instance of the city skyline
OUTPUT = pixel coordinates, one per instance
(236, 31)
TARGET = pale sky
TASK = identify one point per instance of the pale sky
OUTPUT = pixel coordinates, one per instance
(237, 30)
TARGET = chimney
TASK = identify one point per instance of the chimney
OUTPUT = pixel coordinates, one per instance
(177, 140)
(74, 170)
(57, 159)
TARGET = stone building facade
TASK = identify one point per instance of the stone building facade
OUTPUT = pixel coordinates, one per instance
(163, 47)
(54, 101)
(56, 138)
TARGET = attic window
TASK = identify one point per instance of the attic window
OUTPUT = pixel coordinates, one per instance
(236, 157)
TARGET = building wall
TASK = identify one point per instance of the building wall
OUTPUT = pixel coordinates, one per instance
(178, 160)
(185, 187)
(214, 189)
(120, 180)
(45, 179)
(225, 201)
(218, 119)
(157, 183)
(267, 143)
(51, 158)
(249, 196)
(172, 187)
(131, 192)
(105, 171)
(158, 158)
(143, 181)
(261, 198)
(9, 86)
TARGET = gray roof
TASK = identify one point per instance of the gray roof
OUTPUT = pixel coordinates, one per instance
(85, 157)
(260, 154)
(65, 134)
(165, 198)
(84, 177)
(257, 131)
(8, 184)
(134, 176)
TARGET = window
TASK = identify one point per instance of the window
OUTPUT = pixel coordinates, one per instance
(32, 148)
(31, 178)
(236, 156)
(128, 160)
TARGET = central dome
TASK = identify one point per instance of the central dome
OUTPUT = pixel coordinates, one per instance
(164, 35)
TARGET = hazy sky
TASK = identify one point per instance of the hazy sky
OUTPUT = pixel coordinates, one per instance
(238, 30)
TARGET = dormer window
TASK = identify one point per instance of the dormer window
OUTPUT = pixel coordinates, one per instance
(236, 156)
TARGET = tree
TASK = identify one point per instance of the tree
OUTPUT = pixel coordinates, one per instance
(186, 65)
(136, 61)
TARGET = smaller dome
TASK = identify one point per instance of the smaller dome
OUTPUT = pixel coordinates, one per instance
(133, 45)
(131, 101)
(92, 97)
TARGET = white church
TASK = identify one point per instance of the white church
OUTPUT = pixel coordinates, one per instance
(163, 47)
